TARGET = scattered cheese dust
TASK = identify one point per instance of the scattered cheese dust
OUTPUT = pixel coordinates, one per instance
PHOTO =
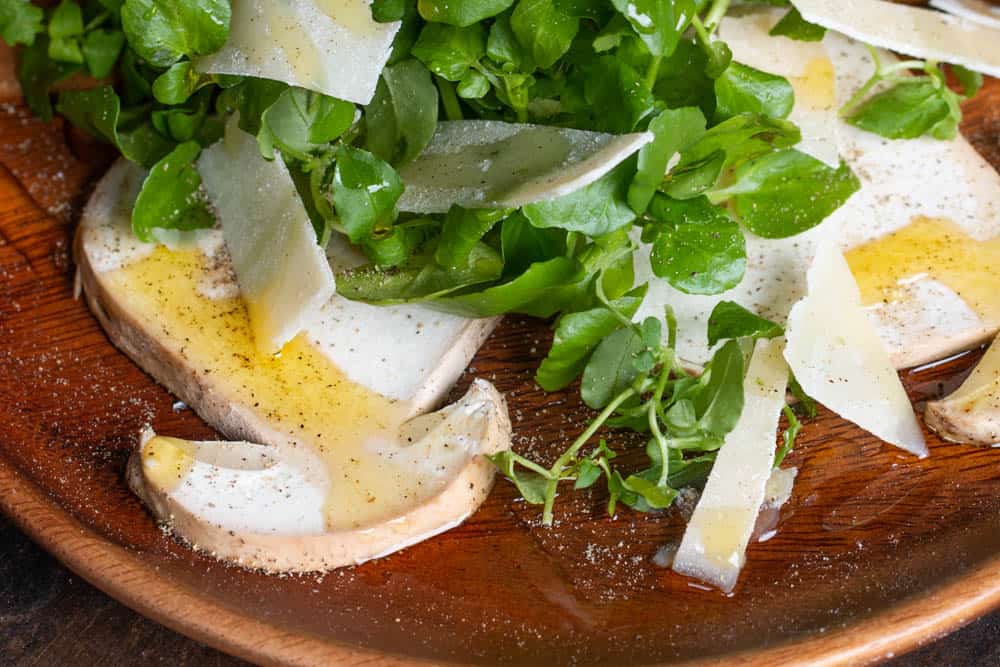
(931, 248)
(300, 392)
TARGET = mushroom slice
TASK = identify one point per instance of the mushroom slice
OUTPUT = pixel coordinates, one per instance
(915, 31)
(278, 507)
(978, 11)
(838, 358)
(330, 46)
(492, 164)
(972, 413)
(714, 545)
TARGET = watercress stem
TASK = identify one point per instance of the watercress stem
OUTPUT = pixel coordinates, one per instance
(653, 72)
(715, 14)
(556, 471)
(452, 109)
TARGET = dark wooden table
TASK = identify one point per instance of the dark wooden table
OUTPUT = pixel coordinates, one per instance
(48, 616)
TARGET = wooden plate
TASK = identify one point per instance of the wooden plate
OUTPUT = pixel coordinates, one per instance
(875, 553)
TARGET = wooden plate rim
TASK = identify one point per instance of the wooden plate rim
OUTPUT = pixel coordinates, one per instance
(125, 577)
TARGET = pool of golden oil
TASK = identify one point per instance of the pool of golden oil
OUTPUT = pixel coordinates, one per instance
(166, 461)
(300, 392)
(936, 248)
(816, 85)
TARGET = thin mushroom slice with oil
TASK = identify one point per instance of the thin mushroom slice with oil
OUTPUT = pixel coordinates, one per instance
(972, 413)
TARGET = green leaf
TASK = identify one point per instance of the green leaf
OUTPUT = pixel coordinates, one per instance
(674, 131)
(66, 20)
(365, 192)
(725, 146)
(403, 115)
(461, 231)
(612, 368)
(545, 28)
(449, 51)
(970, 81)
(659, 23)
(614, 97)
(743, 89)
(788, 437)
(910, 109)
(698, 248)
(730, 320)
(576, 337)
(656, 496)
(419, 279)
(784, 193)
(720, 403)
(101, 49)
(531, 485)
(544, 289)
(462, 13)
(300, 122)
(20, 22)
(163, 31)
(98, 112)
(793, 26)
(595, 210)
(804, 401)
(387, 11)
(171, 196)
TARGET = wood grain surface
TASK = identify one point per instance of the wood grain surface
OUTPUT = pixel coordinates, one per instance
(876, 553)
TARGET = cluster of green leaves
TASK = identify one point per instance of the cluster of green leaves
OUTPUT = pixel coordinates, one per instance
(630, 372)
(914, 100)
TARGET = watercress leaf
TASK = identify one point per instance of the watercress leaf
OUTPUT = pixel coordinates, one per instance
(20, 22)
(576, 337)
(544, 289)
(587, 474)
(66, 20)
(403, 115)
(793, 26)
(803, 400)
(253, 97)
(301, 121)
(910, 109)
(730, 320)
(682, 79)
(725, 146)
(101, 48)
(693, 471)
(698, 247)
(656, 496)
(720, 401)
(365, 192)
(463, 13)
(387, 11)
(177, 84)
(595, 210)
(449, 51)
(545, 28)
(616, 99)
(398, 245)
(658, 23)
(66, 49)
(611, 369)
(786, 192)
(163, 31)
(674, 130)
(473, 85)
(742, 89)
(37, 73)
(462, 230)
(171, 196)
(503, 47)
(970, 81)
(531, 485)
(98, 112)
(419, 278)
(788, 437)
(523, 244)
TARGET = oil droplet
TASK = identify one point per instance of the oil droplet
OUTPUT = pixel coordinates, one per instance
(935, 248)
(815, 87)
(166, 461)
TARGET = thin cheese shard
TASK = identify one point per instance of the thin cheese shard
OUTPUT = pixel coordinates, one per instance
(978, 11)
(808, 69)
(915, 31)
(837, 356)
(283, 273)
(714, 545)
(972, 413)
(333, 47)
(493, 164)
